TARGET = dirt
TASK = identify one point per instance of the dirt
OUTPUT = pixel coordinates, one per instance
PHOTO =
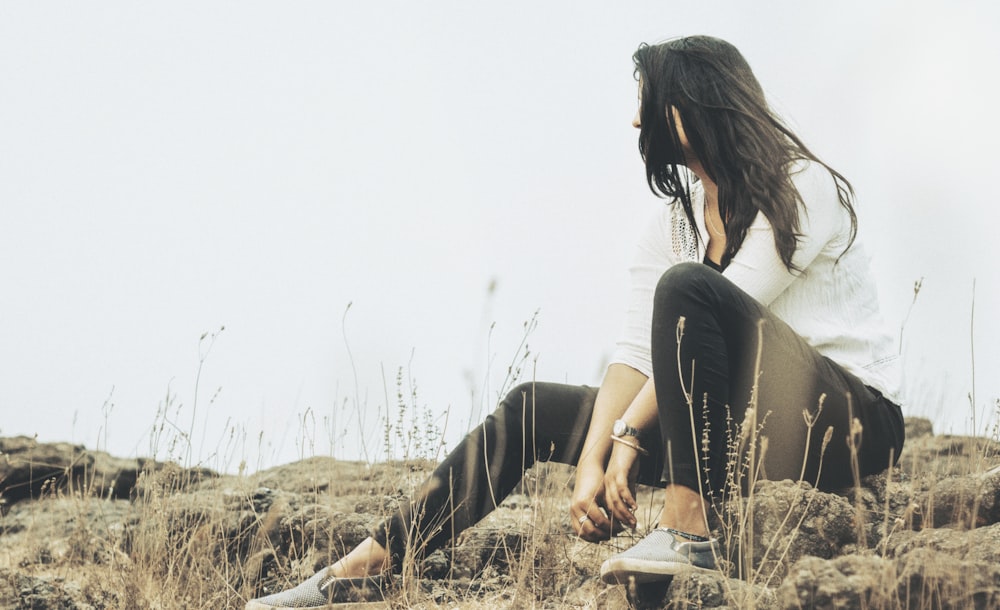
(84, 530)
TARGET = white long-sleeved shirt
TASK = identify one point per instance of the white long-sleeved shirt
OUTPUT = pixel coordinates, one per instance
(832, 305)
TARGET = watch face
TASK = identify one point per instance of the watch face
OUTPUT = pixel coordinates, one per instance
(619, 427)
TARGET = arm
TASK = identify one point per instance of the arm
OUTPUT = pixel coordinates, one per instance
(628, 376)
(658, 248)
(621, 385)
(623, 466)
(619, 389)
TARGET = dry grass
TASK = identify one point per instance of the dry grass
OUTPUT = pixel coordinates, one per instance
(189, 542)
(186, 541)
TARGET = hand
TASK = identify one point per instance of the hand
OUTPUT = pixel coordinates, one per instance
(619, 483)
(588, 500)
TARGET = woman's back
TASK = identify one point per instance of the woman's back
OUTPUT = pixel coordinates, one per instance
(832, 303)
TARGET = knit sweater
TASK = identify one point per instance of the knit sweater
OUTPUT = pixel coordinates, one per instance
(832, 304)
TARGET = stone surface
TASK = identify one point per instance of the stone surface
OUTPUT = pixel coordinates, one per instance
(29, 469)
(831, 584)
(84, 530)
(972, 500)
(947, 455)
(916, 427)
(924, 580)
(980, 545)
(789, 520)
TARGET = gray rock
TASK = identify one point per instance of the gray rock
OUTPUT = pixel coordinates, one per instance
(933, 457)
(36, 593)
(711, 590)
(78, 546)
(978, 546)
(887, 502)
(699, 590)
(852, 581)
(918, 580)
(926, 581)
(917, 427)
(480, 548)
(29, 469)
(967, 501)
(319, 527)
(790, 520)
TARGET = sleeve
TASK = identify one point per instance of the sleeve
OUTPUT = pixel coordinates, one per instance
(663, 243)
(757, 268)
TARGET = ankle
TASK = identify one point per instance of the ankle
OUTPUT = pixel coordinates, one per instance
(354, 569)
(689, 528)
(367, 559)
(684, 510)
(682, 536)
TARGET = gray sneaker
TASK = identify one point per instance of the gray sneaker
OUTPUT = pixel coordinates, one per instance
(321, 590)
(659, 556)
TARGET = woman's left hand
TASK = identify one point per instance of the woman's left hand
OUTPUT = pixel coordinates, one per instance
(619, 483)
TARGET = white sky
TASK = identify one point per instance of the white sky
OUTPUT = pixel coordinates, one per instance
(167, 169)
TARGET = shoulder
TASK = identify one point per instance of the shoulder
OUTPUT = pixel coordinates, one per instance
(824, 216)
(812, 180)
(819, 192)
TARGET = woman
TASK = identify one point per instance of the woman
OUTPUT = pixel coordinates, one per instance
(751, 287)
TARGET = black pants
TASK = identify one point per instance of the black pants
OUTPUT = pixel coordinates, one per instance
(722, 324)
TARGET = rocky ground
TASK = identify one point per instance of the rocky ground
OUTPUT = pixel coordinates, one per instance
(84, 530)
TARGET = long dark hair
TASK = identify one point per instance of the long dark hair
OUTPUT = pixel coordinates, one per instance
(740, 142)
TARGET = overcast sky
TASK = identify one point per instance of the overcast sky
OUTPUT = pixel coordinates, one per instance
(355, 188)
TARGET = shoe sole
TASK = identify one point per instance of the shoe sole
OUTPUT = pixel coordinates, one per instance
(365, 592)
(618, 571)
(253, 605)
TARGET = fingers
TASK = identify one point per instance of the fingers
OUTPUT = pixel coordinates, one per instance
(603, 502)
(620, 501)
(603, 527)
(618, 527)
(593, 528)
(591, 522)
(629, 501)
(618, 482)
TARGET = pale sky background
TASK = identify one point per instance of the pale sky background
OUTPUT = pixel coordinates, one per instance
(168, 169)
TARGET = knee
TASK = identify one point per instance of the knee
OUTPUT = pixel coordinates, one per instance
(514, 412)
(515, 402)
(683, 278)
(518, 400)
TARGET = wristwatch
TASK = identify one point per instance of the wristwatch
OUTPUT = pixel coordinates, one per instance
(620, 429)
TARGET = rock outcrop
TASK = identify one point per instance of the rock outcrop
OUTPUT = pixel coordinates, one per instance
(29, 469)
(82, 529)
